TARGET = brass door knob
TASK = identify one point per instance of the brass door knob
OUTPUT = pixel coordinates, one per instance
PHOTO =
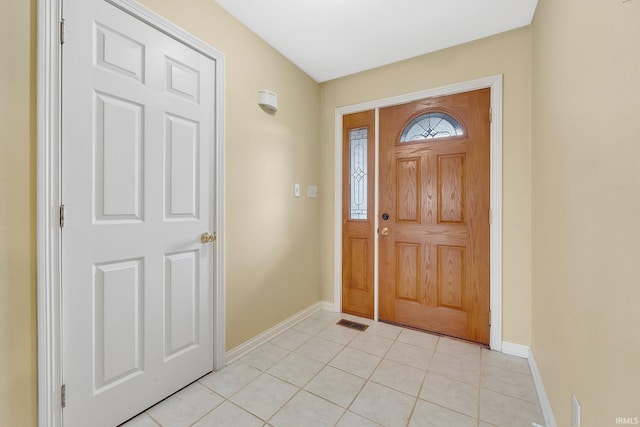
(384, 231)
(208, 238)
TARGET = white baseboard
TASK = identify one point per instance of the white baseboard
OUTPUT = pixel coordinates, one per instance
(549, 419)
(514, 349)
(244, 348)
(525, 352)
(328, 306)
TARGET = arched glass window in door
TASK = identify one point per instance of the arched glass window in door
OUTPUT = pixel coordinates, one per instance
(431, 126)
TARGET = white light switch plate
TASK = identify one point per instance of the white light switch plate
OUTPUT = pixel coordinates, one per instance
(296, 190)
(312, 191)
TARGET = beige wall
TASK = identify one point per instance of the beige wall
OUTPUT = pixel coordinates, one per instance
(586, 205)
(17, 215)
(508, 54)
(273, 239)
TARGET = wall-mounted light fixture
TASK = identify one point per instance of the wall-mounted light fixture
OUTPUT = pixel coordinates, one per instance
(268, 101)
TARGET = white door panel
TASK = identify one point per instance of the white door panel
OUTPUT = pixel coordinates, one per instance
(119, 164)
(138, 188)
(119, 319)
(182, 168)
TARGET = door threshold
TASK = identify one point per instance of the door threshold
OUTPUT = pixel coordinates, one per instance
(438, 334)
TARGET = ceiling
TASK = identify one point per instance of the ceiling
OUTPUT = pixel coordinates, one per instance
(328, 39)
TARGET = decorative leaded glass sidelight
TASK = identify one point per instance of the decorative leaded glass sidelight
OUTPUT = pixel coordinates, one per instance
(430, 126)
(358, 173)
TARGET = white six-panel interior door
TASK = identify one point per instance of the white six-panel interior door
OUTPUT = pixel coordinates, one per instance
(137, 183)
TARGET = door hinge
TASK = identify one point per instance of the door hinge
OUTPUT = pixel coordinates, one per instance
(490, 216)
(61, 216)
(63, 395)
(490, 114)
(62, 31)
(489, 318)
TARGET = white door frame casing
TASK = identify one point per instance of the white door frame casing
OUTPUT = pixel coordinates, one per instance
(48, 234)
(494, 83)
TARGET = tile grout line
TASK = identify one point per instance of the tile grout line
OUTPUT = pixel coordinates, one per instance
(148, 415)
(476, 419)
(224, 399)
(368, 379)
(302, 388)
(480, 387)
(265, 372)
(424, 382)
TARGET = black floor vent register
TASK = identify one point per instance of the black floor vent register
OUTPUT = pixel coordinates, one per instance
(353, 325)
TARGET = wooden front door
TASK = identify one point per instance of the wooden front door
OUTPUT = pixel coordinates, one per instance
(434, 215)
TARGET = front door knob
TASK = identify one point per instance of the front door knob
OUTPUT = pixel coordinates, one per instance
(384, 231)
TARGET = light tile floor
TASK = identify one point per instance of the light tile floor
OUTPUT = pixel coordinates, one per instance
(320, 374)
